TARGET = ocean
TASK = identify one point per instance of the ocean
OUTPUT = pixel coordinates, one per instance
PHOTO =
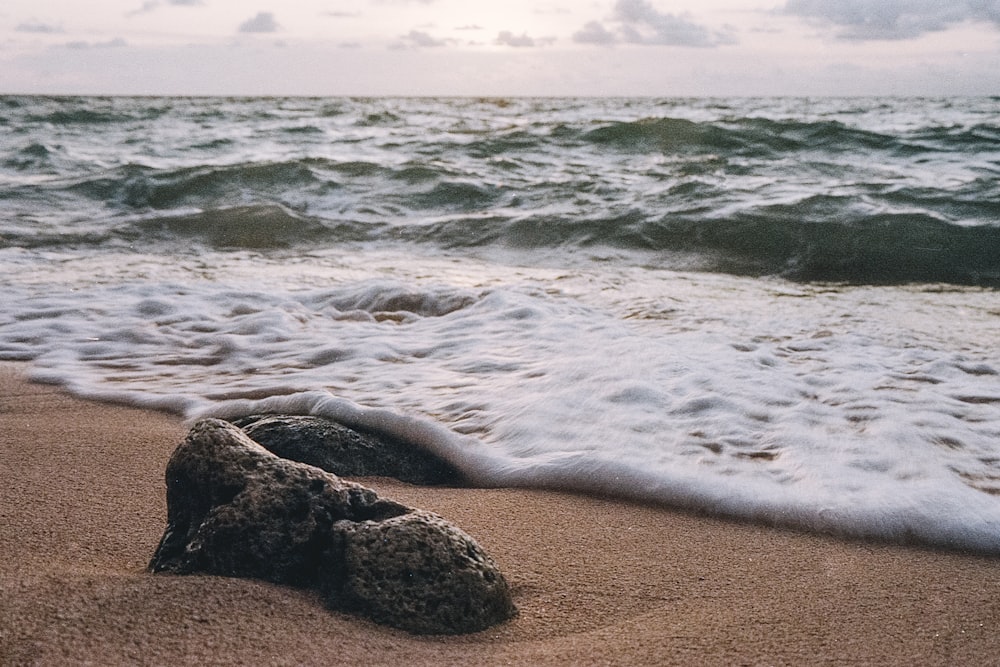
(782, 311)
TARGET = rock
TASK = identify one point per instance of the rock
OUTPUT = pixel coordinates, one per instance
(418, 572)
(344, 451)
(235, 509)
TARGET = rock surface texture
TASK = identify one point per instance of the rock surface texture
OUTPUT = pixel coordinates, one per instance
(236, 509)
(344, 451)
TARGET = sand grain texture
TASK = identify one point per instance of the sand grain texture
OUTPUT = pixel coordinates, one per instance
(597, 581)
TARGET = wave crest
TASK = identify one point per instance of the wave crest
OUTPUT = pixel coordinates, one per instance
(259, 226)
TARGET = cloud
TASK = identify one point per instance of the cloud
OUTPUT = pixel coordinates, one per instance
(115, 43)
(507, 38)
(551, 11)
(38, 27)
(638, 22)
(263, 22)
(595, 33)
(421, 40)
(150, 5)
(893, 19)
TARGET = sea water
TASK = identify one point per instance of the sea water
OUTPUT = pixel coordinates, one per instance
(777, 310)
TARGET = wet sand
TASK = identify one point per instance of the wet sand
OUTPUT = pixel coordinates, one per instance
(597, 581)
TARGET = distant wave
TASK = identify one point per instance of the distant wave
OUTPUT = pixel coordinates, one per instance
(753, 136)
(136, 186)
(762, 136)
(259, 227)
(82, 111)
(810, 198)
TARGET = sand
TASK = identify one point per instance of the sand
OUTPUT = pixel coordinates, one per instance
(597, 581)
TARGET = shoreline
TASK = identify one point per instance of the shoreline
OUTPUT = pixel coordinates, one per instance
(596, 580)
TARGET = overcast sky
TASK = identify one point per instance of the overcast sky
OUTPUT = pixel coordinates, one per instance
(509, 47)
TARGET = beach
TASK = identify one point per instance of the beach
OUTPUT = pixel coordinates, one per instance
(597, 581)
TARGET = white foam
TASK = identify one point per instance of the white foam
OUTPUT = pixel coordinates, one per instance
(861, 411)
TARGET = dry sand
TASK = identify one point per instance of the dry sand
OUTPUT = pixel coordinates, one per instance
(597, 581)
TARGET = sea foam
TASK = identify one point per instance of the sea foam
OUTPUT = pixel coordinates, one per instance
(857, 411)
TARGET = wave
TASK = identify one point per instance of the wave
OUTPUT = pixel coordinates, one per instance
(759, 137)
(752, 136)
(977, 136)
(396, 302)
(755, 189)
(251, 227)
(378, 119)
(454, 195)
(882, 248)
(82, 117)
(135, 186)
(33, 157)
(925, 518)
(71, 111)
(817, 240)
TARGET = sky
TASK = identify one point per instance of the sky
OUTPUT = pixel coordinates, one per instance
(502, 48)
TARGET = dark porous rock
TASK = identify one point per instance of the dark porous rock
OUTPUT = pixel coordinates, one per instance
(344, 451)
(416, 571)
(235, 509)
